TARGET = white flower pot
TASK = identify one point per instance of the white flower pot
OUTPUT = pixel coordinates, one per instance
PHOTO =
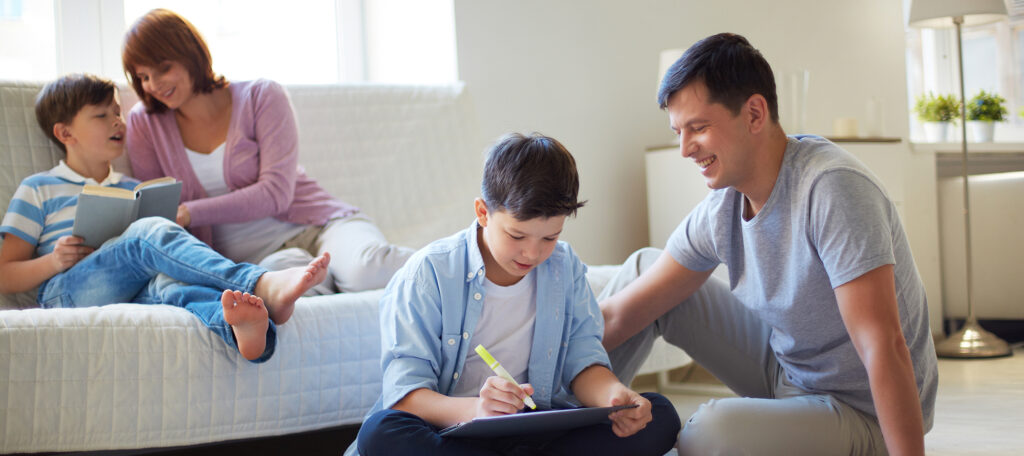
(936, 131)
(982, 130)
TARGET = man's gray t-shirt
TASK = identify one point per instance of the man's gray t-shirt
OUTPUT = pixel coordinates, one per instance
(827, 222)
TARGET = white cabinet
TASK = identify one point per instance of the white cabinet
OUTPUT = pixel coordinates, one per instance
(675, 186)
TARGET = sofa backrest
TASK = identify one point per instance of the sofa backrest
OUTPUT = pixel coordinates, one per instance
(408, 156)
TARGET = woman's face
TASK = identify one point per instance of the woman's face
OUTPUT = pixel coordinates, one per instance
(168, 83)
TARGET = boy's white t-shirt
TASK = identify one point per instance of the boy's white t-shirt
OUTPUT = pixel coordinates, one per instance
(505, 328)
(245, 241)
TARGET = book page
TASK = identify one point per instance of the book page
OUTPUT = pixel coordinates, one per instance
(153, 182)
(113, 192)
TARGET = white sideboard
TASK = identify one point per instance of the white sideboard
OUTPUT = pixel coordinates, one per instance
(674, 187)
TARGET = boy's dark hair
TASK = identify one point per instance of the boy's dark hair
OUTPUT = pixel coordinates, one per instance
(60, 100)
(160, 36)
(729, 66)
(531, 176)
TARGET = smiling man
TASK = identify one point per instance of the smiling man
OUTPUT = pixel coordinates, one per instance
(822, 328)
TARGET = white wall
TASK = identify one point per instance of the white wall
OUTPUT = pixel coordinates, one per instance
(585, 72)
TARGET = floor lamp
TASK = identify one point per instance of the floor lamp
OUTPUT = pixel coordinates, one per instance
(971, 341)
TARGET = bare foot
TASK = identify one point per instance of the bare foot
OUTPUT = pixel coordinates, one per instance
(281, 288)
(248, 319)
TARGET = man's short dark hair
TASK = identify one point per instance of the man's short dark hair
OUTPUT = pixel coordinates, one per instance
(531, 176)
(729, 67)
(60, 100)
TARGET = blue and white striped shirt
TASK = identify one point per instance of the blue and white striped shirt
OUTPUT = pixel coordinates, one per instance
(43, 207)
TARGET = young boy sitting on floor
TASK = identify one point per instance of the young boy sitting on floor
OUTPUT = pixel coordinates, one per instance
(154, 261)
(508, 284)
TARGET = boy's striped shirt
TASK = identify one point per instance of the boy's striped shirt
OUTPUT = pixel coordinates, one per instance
(43, 207)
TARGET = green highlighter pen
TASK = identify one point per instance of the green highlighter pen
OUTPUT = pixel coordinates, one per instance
(496, 367)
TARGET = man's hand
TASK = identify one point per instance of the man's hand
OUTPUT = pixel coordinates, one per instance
(184, 217)
(501, 397)
(67, 252)
(629, 421)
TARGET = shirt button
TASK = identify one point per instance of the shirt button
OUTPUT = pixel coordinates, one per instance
(451, 341)
(465, 335)
(477, 296)
(480, 272)
(470, 275)
(456, 376)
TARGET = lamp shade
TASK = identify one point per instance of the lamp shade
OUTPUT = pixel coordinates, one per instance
(937, 13)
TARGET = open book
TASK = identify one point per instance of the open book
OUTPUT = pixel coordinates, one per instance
(105, 212)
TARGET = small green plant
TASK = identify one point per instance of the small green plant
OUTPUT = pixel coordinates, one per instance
(986, 106)
(937, 108)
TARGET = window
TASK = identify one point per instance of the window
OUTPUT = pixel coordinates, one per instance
(993, 56)
(27, 46)
(306, 42)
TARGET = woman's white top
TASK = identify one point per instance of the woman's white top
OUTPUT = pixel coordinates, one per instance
(245, 241)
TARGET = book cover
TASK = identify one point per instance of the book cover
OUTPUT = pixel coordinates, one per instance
(105, 212)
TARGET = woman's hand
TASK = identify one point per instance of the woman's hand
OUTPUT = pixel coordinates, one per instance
(501, 397)
(184, 217)
(629, 421)
(67, 252)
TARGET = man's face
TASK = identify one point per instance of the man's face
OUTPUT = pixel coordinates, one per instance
(517, 246)
(711, 136)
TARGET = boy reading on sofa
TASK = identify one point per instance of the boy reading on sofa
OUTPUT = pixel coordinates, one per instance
(506, 283)
(154, 261)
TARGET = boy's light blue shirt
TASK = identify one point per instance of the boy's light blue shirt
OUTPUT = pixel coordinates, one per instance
(430, 309)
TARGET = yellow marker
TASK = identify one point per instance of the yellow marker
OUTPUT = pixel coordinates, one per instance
(496, 367)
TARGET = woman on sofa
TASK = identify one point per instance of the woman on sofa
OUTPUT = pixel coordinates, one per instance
(234, 145)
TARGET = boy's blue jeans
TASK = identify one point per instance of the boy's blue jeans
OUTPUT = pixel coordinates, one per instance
(156, 261)
(393, 432)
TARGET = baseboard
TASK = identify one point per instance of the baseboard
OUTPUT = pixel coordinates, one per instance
(326, 442)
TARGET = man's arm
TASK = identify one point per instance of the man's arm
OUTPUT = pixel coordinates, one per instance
(665, 284)
(869, 310)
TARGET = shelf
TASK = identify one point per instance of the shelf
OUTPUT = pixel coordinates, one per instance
(865, 139)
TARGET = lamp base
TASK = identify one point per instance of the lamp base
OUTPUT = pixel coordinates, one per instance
(972, 341)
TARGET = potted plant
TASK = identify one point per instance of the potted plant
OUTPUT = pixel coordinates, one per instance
(936, 113)
(983, 111)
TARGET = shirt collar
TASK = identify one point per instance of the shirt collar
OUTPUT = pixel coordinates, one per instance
(476, 260)
(63, 171)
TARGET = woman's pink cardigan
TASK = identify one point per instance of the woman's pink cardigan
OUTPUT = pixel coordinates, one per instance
(261, 166)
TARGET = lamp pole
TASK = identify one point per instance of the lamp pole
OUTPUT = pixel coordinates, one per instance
(971, 341)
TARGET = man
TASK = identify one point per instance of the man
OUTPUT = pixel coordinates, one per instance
(823, 326)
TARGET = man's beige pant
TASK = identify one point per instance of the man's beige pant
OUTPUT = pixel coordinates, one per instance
(772, 416)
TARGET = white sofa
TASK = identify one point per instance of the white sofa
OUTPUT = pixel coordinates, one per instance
(129, 376)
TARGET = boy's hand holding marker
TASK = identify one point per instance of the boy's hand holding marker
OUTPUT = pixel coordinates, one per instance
(501, 395)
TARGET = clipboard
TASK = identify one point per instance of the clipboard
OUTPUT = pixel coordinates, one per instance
(531, 422)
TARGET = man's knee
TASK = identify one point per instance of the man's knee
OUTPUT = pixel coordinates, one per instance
(713, 427)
